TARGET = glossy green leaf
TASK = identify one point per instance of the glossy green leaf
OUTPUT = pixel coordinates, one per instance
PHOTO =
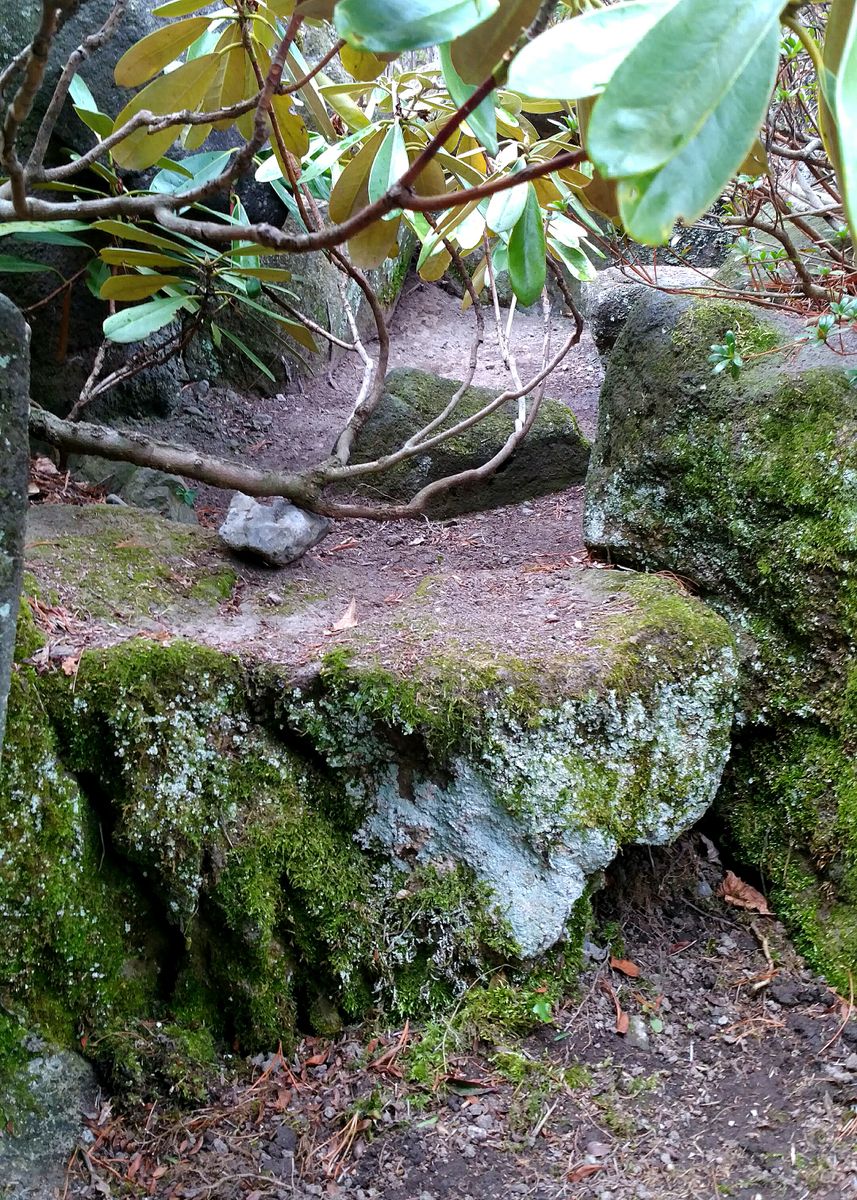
(124, 256)
(81, 94)
(483, 120)
(196, 169)
(575, 260)
(505, 208)
(389, 25)
(691, 181)
(135, 287)
(577, 58)
(10, 265)
(839, 22)
(845, 115)
(100, 124)
(137, 323)
(527, 266)
(389, 164)
(675, 78)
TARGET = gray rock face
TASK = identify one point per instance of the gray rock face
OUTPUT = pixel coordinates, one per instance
(20, 20)
(276, 533)
(14, 406)
(140, 487)
(607, 301)
(748, 487)
(62, 1087)
(553, 456)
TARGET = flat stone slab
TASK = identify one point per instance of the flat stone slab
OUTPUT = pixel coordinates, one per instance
(525, 726)
(227, 812)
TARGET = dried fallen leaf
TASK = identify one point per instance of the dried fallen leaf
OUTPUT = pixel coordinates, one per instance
(741, 895)
(584, 1171)
(622, 1022)
(69, 666)
(348, 619)
(626, 967)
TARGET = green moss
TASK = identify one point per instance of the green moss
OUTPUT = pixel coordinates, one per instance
(707, 321)
(216, 586)
(70, 925)
(791, 811)
(413, 399)
(443, 698)
(125, 561)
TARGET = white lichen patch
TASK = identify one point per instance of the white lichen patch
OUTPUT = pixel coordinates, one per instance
(536, 807)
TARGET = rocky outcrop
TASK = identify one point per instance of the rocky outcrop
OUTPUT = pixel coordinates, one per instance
(228, 845)
(14, 443)
(553, 456)
(747, 487)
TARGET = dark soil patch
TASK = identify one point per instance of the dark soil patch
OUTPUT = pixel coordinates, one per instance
(737, 1078)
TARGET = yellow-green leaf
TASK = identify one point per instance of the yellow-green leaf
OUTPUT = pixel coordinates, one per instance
(135, 233)
(477, 53)
(123, 256)
(292, 129)
(435, 266)
(299, 332)
(179, 8)
(361, 64)
(135, 287)
(354, 178)
(157, 50)
(181, 89)
(271, 274)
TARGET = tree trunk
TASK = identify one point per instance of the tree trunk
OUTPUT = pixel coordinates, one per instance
(14, 405)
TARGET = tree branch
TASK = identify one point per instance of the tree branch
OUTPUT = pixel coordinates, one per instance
(89, 45)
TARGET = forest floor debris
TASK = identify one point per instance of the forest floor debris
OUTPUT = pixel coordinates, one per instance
(736, 1077)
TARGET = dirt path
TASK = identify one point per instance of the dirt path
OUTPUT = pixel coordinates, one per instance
(737, 1078)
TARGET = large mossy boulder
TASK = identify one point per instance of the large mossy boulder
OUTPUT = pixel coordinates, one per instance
(228, 845)
(747, 487)
(553, 456)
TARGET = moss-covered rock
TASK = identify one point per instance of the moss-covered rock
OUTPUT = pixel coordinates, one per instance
(203, 850)
(748, 487)
(117, 563)
(553, 456)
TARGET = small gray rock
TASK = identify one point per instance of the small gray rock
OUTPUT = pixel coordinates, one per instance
(276, 533)
(32, 1163)
(638, 1034)
(161, 493)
